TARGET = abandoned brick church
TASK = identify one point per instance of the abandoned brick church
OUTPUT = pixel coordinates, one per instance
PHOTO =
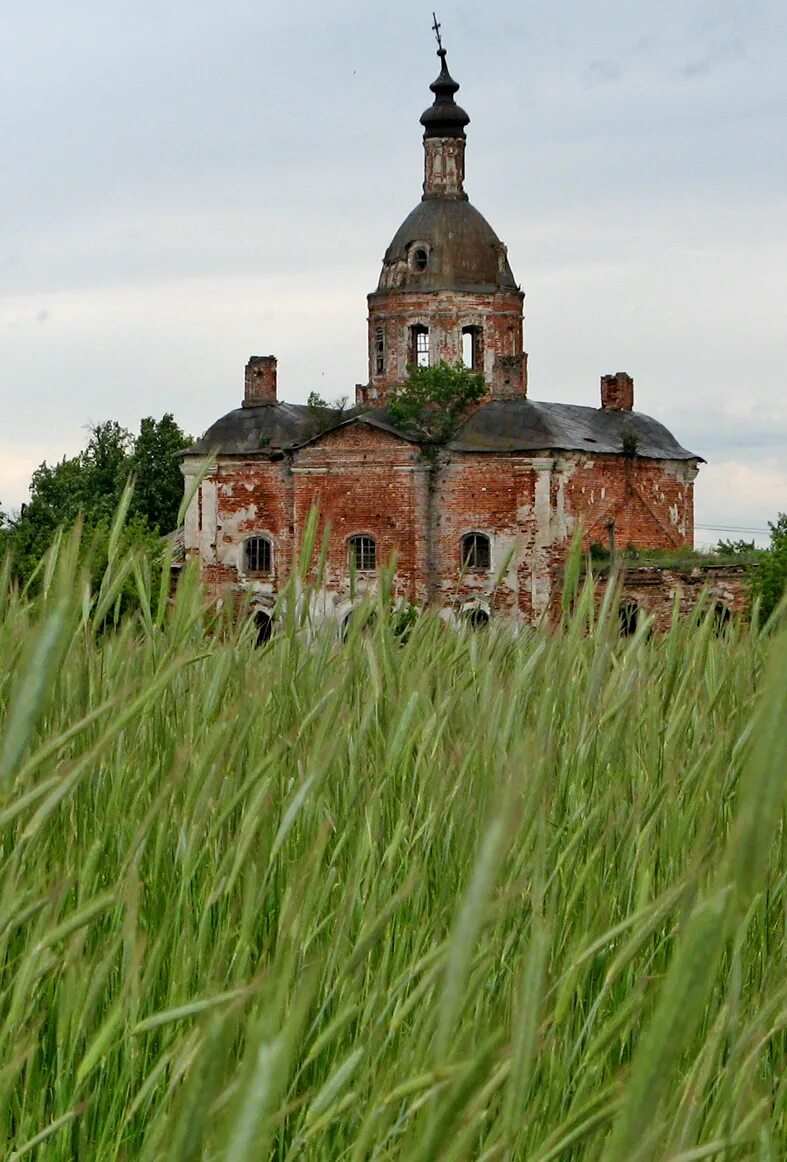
(482, 529)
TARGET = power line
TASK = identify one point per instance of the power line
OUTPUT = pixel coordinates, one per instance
(730, 529)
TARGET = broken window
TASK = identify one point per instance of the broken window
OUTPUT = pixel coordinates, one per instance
(379, 351)
(259, 555)
(722, 618)
(476, 551)
(419, 345)
(420, 258)
(476, 618)
(263, 624)
(628, 617)
(363, 553)
(471, 348)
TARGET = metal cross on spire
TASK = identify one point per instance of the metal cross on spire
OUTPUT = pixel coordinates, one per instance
(437, 28)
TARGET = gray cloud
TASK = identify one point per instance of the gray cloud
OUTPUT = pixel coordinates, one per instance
(602, 73)
(186, 184)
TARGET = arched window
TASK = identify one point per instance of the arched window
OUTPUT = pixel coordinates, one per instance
(471, 347)
(419, 345)
(476, 618)
(258, 555)
(367, 618)
(363, 553)
(379, 350)
(418, 256)
(263, 623)
(722, 618)
(476, 552)
(628, 617)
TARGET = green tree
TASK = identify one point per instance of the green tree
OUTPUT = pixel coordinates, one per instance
(90, 485)
(433, 401)
(746, 551)
(770, 576)
(158, 481)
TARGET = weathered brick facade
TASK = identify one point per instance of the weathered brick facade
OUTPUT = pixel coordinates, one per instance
(657, 591)
(479, 527)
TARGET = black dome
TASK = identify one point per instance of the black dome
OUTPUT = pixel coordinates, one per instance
(444, 118)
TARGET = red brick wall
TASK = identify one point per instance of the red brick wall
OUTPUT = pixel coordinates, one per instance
(480, 493)
(499, 315)
(655, 590)
(650, 502)
(366, 481)
(255, 496)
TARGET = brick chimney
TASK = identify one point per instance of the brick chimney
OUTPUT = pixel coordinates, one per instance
(617, 392)
(260, 381)
(509, 377)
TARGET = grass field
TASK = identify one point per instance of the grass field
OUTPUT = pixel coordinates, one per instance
(459, 896)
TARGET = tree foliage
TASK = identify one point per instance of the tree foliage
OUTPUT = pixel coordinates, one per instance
(770, 573)
(89, 486)
(433, 401)
(158, 481)
(323, 414)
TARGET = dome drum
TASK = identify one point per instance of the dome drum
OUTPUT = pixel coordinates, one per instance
(483, 329)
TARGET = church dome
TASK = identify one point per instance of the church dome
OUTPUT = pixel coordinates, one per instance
(445, 244)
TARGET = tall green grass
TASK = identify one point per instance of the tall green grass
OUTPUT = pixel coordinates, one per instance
(440, 896)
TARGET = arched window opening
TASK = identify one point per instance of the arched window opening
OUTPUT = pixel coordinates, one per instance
(263, 623)
(419, 345)
(476, 618)
(366, 617)
(258, 554)
(476, 552)
(628, 618)
(722, 618)
(379, 351)
(471, 348)
(420, 258)
(363, 553)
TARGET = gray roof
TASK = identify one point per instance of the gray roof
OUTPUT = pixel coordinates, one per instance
(268, 428)
(523, 425)
(516, 425)
(464, 253)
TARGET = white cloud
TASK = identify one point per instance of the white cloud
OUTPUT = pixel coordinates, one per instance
(186, 185)
(742, 494)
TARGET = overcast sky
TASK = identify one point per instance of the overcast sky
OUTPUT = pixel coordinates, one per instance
(184, 184)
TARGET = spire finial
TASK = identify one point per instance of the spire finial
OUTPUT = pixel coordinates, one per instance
(444, 118)
(436, 26)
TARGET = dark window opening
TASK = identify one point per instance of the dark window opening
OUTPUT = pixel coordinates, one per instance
(363, 616)
(628, 617)
(263, 623)
(420, 258)
(419, 346)
(471, 348)
(379, 351)
(476, 618)
(259, 555)
(363, 553)
(721, 618)
(476, 551)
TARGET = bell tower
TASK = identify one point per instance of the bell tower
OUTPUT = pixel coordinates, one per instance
(446, 290)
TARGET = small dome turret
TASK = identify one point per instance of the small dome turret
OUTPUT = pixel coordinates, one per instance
(444, 118)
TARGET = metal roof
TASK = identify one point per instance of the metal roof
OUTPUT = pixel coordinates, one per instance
(516, 425)
(464, 253)
(523, 425)
(264, 429)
